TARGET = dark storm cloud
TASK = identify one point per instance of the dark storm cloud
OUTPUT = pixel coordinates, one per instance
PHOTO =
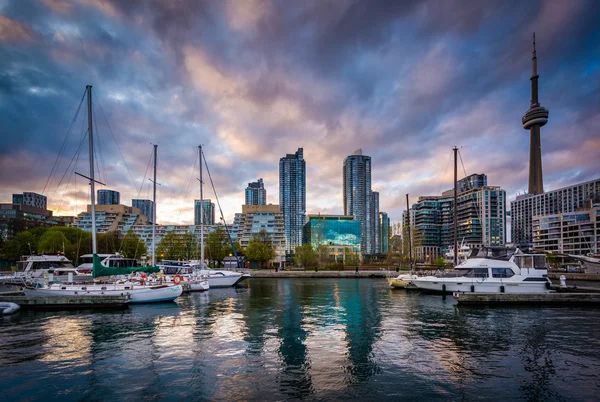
(253, 80)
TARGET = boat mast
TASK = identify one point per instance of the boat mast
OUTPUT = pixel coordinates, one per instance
(409, 237)
(455, 149)
(154, 211)
(201, 211)
(92, 182)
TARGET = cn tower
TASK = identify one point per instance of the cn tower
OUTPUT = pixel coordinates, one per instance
(535, 118)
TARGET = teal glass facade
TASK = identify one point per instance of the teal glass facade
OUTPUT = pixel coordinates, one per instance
(332, 231)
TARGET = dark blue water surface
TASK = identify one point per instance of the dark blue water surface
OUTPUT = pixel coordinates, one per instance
(321, 339)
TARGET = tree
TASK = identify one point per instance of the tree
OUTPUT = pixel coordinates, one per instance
(322, 253)
(173, 247)
(132, 246)
(216, 246)
(24, 243)
(305, 256)
(440, 262)
(52, 242)
(352, 258)
(109, 242)
(260, 248)
(238, 249)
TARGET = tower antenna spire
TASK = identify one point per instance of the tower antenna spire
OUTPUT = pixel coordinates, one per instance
(534, 119)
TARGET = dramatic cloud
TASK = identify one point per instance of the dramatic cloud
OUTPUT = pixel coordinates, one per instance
(254, 80)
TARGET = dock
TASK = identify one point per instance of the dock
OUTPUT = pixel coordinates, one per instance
(66, 302)
(552, 298)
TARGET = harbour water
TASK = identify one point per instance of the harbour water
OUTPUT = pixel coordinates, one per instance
(282, 339)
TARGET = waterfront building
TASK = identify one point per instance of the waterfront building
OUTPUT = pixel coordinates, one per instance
(27, 211)
(339, 233)
(563, 200)
(255, 218)
(481, 215)
(385, 233)
(376, 229)
(358, 197)
(574, 232)
(108, 197)
(292, 197)
(256, 193)
(110, 218)
(146, 208)
(208, 211)
(31, 199)
(144, 232)
(475, 180)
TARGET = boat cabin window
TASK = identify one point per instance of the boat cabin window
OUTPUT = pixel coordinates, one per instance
(49, 265)
(123, 263)
(502, 272)
(468, 272)
(21, 265)
(531, 261)
(86, 260)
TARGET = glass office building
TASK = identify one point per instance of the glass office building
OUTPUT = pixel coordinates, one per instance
(108, 197)
(333, 230)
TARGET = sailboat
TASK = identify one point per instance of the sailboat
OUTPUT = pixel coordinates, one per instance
(140, 292)
(216, 278)
(403, 281)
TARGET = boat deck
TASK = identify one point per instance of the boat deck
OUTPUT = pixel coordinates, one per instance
(66, 302)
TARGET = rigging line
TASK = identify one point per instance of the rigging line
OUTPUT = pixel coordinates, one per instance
(461, 162)
(64, 144)
(145, 173)
(114, 138)
(69, 166)
(97, 136)
(71, 176)
(187, 192)
(445, 170)
(593, 174)
(220, 210)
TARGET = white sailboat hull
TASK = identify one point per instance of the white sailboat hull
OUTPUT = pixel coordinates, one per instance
(224, 281)
(479, 285)
(139, 294)
(197, 286)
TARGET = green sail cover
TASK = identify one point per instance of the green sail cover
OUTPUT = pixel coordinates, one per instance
(100, 270)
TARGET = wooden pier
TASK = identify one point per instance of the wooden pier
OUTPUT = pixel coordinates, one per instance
(553, 298)
(66, 302)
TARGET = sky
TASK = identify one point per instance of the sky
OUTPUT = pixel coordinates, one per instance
(254, 80)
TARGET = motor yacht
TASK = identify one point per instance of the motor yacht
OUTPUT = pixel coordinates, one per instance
(38, 269)
(492, 270)
(216, 278)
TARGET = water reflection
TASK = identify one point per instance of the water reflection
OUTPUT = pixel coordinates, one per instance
(302, 339)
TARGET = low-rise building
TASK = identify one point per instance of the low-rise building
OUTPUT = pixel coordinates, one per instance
(255, 218)
(339, 233)
(110, 218)
(569, 232)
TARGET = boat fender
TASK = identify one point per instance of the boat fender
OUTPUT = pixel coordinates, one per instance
(444, 288)
(548, 285)
(472, 288)
(177, 279)
(502, 289)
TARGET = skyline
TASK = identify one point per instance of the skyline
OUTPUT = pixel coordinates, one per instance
(252, 83)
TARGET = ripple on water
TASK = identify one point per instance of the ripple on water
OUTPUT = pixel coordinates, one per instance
(303, 339)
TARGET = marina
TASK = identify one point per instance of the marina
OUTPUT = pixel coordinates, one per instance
(326, 339)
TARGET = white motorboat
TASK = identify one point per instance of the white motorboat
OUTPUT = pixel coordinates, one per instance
(192, 269)
(402, 281)
(492, 270)
(40, 269)
(184, 273)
